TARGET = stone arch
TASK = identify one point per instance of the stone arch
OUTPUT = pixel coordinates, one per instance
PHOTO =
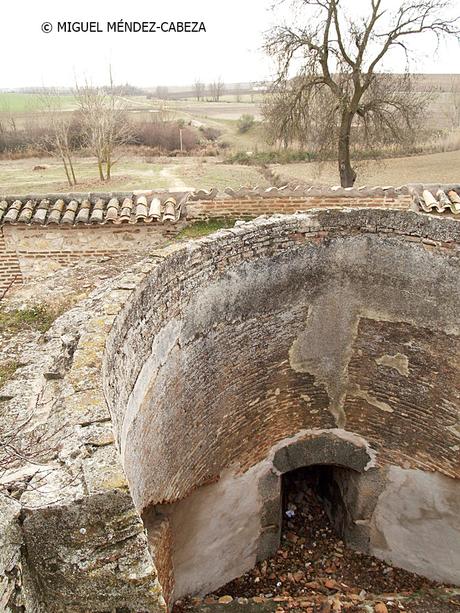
(353, 465)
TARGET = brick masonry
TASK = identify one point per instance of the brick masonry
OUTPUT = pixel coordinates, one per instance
(29, 250)
(252, 207)
(10, 270)
(337, 320)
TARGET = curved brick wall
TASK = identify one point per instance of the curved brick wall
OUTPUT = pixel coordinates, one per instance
(345, 319)
(336, 320)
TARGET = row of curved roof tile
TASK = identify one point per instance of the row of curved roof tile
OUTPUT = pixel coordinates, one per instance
(163, 207)
(440, 201)
(85, 211)
(299, 191)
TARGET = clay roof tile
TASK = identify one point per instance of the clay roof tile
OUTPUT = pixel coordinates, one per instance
(141, 208)
(155, 209)
(126, 209)
(13, 212)
(112, 210)
(41, 211)
(27, 212)
(97, 213)
(3, 208)
(56, 211)
(83, 213)
(69, 215)
(169, 213)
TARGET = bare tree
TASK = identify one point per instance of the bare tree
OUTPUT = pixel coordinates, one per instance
(162, 92)
(453, 104)
(105, 124)
(238, 92)
(338, 77)
(216, 89)
(7, 117)
(199, 88)
(57, 139)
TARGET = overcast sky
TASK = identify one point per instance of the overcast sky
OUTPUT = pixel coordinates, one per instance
(231, 47)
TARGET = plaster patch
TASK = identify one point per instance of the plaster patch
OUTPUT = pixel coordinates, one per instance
(399, 362)
(324, 349)
(379, 404)
(416, 524)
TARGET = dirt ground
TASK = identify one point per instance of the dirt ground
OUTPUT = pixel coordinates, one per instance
(19, 176)
(313, 571)
(430, 168)
(131, 172)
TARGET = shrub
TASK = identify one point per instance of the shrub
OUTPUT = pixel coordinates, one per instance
(34, 136)
(211, 134)
(260, 158)
(164, 135)
(245, 123)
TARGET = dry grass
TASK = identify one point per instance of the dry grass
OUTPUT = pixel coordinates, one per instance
(432, 168)
(203, 228)
(18, 176)
(38, 317)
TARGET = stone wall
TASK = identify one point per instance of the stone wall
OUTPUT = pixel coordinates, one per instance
(28, 251)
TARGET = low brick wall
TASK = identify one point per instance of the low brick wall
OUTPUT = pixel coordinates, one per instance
(27, 251)
(253, 206)
(10, 269)
(30, 250)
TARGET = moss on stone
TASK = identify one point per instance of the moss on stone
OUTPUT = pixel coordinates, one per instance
(38, 317)
(7, 370)
(202, 228)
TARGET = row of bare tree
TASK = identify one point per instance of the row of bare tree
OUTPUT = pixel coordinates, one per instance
(104, 127)
(213, 91)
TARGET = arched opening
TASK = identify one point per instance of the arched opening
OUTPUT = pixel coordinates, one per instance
(314, 562)
(313, 512)
(313, 499)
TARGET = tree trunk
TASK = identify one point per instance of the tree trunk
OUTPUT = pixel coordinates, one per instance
(101, 172)
(347, 174)
(69, 180)
(72, 171)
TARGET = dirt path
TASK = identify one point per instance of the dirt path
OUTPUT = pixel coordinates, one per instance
(170, 177)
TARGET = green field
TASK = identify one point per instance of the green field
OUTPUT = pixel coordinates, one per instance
(136, 170)
(29, 103)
